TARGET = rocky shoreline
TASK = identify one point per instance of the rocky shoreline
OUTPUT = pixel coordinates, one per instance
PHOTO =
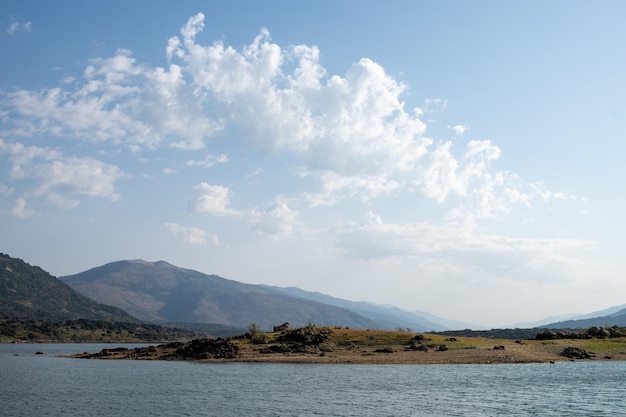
(314, 344)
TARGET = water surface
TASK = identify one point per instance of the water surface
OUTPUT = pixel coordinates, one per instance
(48, 385)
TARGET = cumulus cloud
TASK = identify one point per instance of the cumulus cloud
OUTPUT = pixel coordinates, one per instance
(191, 235)
(117, 101)
(21, 209)
(352, 134)
(277, 220)
(60, 178)
(211, 199)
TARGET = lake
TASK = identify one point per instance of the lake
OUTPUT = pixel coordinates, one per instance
(47, 385)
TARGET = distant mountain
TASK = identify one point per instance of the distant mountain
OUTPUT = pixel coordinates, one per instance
(160, 292)
(381, 316)
(449, 324)
(29, 292)
(613, 316)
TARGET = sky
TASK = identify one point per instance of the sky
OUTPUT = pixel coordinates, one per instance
(460, 158)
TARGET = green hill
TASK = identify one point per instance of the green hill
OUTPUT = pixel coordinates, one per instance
(29, 292)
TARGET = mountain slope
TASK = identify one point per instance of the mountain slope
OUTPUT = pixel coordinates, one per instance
(382, 317)
(29, 292)
(160, 292)
(615, 319)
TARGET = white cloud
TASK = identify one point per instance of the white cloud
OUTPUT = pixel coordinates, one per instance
(60, 178)
(211, 199)
(15, 26)
(21, 209)
(334, 187)
(191, 235)
(352, 134)
(209, 161)
(278, 220)
(117, 101)
(460, 245)
(458, 129)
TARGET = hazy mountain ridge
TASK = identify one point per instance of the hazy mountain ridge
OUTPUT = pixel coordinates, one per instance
(161, 292)
(617, 318)
(385, 317)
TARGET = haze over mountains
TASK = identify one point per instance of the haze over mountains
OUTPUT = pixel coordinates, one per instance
(158, 292)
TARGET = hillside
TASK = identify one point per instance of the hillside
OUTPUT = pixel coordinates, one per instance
(384, 317)
(615, 319)
(29, 292)
(159, 292)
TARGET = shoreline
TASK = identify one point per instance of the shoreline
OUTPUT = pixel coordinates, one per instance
(344, 346)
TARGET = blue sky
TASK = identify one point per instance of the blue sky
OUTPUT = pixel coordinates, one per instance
(460, 158)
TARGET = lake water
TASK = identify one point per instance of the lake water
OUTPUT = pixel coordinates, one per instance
(47, 385)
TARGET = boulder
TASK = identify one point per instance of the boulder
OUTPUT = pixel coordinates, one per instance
(285, 327)
(575, 353)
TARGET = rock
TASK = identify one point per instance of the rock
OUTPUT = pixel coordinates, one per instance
(285, 327)
(309, 335)
(575, 353)
(547, 334)
(598, 332)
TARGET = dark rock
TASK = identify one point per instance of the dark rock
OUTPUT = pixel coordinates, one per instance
(575, 353)
(309, 335)
(206, 349)
(282, 328)
(547, 334)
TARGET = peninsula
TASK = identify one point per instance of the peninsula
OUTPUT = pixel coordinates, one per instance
(334, 345)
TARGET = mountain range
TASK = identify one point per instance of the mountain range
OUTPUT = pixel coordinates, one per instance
(158, 292)
(161, 293)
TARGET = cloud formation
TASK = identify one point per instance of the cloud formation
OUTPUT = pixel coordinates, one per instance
(211, 199)
(191, 235)
(60, 178)
(352, 136)
(15, 26)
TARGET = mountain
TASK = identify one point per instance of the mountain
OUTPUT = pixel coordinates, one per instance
(382, 316)
(448, 324)
(160, 292)
(613, 316)
(29, 292)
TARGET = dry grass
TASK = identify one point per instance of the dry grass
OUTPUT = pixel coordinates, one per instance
(379, 346)
(395, 347)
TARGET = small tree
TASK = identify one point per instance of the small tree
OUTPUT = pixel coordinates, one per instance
(254, 329)
(256, 335)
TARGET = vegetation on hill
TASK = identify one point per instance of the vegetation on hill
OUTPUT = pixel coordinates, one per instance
(84, 330)
(513, 334)
(29, 292)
